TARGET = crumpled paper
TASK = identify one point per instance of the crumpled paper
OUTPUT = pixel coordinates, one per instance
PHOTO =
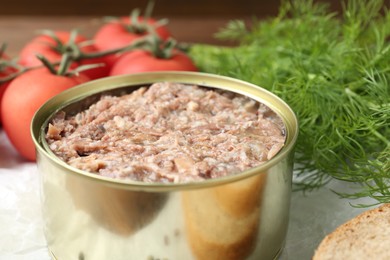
(21, 225)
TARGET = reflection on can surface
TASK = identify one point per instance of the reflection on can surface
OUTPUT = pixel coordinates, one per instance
(244, 216)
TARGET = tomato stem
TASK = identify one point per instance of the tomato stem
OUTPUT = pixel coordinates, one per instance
(139, 43)
(75, 53)
(168, 47)
(137, 25)
(2, 49)
(13, 75)
(58, 46)
(159, 48)
(47, 63)
(9, 64)
(64, 64)
(149, 10)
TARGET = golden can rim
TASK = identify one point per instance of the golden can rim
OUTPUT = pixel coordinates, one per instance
(56, 103)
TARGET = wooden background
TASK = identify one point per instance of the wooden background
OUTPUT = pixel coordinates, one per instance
(199, 8)
(189, 20)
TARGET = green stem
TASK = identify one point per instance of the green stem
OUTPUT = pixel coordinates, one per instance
(64, 64)
(380, 136)
(167, 49)
(139, 27)
(159, 48)
(2, 49)
(72, 37)
(59, 46)
(139, 43)
(135, 26)
(11, 76)
(47, 64)
(351, 93)
(149, 10)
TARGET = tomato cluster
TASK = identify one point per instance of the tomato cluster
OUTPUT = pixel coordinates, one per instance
(122, 46)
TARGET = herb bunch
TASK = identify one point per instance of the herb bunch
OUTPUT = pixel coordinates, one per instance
(333, 69)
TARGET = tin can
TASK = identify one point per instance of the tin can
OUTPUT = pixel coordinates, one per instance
(86, 216)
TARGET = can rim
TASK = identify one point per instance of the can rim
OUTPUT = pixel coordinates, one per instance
(56, 103)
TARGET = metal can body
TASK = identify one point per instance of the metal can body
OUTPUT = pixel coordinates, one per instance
(86, 216)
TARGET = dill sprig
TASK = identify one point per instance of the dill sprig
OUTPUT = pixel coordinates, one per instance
(333, 69)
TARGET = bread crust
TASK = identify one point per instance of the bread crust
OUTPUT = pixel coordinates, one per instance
(366, 236)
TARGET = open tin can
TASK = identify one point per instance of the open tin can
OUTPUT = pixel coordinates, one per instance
(87, 216)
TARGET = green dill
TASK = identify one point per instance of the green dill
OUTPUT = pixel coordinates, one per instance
(333, 69)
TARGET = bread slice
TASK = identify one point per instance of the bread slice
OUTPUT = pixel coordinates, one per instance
(224, 227)
(366, 236)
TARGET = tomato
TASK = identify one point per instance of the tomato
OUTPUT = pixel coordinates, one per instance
(98, 72)
(48, 47)
(2, 90)
(5, 71)
(142, 61)
(24, 95)
(117, 34)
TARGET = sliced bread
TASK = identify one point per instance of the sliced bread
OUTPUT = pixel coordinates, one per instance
(367, 236)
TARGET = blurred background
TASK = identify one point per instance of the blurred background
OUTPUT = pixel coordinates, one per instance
(189, 20)
(224, 8)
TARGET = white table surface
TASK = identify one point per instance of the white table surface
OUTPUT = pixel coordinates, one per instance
(313, 215)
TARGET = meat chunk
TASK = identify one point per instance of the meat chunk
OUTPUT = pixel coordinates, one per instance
(168, 132)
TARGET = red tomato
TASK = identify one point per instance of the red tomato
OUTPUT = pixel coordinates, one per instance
(95, 73)
(116, 34)
(142, 61)
(2, 90)
(4, 72)
(49, 48)
(24, 95)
